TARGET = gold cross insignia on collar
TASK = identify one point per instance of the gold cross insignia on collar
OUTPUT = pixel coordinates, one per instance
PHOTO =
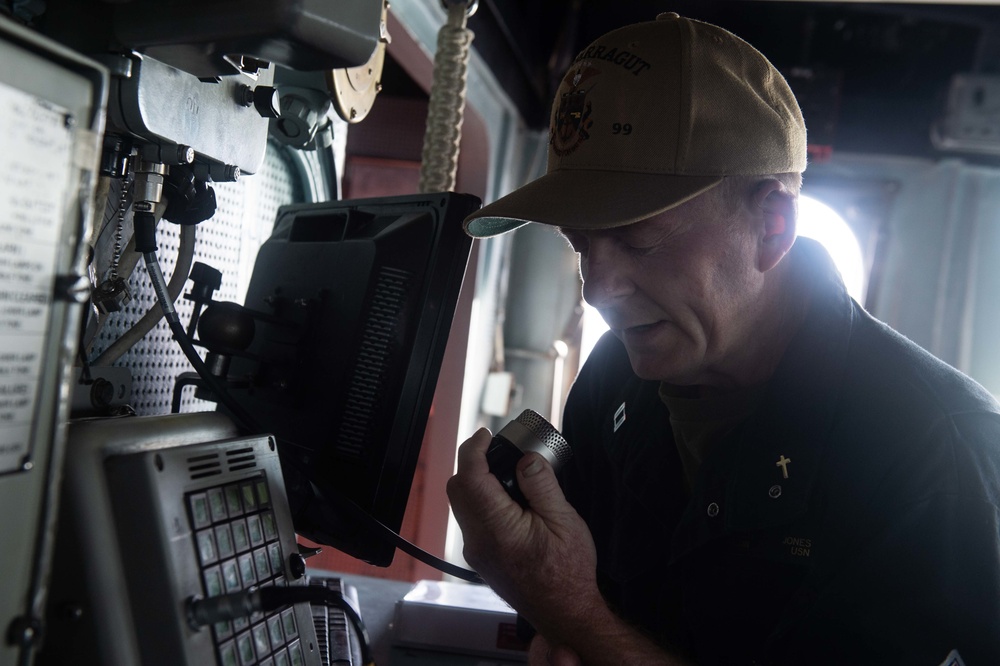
(783, 464)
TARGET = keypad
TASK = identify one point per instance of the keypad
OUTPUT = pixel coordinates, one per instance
(237, 546)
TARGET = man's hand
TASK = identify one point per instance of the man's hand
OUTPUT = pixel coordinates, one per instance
(542, 559)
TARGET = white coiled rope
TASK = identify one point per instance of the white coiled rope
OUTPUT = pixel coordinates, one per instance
(439, 159)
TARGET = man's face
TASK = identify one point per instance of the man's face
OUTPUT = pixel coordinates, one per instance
(677, 289)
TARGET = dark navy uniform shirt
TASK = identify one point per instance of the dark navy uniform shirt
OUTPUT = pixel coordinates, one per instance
(854, 518)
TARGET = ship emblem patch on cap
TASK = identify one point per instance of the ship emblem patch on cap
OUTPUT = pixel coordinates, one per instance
(572, 122)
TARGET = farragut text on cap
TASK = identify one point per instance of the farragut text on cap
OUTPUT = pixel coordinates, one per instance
(624, 59)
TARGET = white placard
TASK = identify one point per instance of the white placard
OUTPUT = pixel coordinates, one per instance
(35, 168)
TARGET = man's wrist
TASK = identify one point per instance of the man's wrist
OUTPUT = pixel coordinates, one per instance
(601, 637)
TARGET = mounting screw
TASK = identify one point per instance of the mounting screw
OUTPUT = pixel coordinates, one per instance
(244, 95)
(185, 154)
(72, 612)
(24, 632)
(102, 392)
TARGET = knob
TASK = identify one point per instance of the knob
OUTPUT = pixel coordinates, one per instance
(226, 325)
(265, 100)
(297, 565)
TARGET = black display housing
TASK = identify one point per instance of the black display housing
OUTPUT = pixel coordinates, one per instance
(353, 302)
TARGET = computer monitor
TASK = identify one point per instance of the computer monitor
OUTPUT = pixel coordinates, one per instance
(352, 302)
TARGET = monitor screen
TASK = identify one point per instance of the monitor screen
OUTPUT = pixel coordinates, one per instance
(352, 302)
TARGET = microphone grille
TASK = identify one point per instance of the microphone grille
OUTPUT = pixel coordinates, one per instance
(546, 433)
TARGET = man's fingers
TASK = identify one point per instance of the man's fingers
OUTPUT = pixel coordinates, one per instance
(472, 453)
(543, 653)
(560, 655)
(474, 492)
(538, 483)
(538, 651)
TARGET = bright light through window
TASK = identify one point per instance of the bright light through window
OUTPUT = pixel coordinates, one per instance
(593, 328)
(821, 223)
(817, 221)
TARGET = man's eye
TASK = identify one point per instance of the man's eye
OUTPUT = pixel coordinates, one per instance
(639, 247)
(639, 241)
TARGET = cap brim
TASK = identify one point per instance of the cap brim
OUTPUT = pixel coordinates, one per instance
(578, 199)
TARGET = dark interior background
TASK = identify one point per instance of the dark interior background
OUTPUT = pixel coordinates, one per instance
(870, 77)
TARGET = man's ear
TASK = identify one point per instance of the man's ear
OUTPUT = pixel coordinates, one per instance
(778, 218)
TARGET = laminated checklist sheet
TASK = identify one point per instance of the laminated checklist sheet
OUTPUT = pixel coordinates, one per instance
(36, 160)
(52, 103)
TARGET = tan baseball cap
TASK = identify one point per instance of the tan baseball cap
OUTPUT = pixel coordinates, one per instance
(648, 117)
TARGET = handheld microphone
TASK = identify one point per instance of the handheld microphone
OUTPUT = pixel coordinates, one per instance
(528, 432)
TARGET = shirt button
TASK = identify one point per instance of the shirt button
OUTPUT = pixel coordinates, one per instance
(775, 491)
(713, 510)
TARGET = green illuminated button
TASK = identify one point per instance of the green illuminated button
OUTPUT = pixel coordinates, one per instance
(263, 494)
(224, 539)
(246, 570)
(274, 554)
(244, 645)
(213, 582)
(233, 502)
(206, 547)
(217, 504)
(249, 497)
(223, 630)
(199, 510)
(295, 654)
(231, 576)
(288, 623)
(260, 641)
(262, 563)
(241, 538)
(255, 530)
(274, 630)
(227, 654)
(269, 525)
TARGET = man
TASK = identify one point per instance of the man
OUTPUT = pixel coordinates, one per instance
(762, 472)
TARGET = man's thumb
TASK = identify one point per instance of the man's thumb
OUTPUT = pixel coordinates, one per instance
(537, 482)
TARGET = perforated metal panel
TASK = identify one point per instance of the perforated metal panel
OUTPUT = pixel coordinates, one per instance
(228, 242)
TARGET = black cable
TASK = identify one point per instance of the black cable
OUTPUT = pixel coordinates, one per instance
(81, 346)
(225, 607)
(180, 335)
(217, 387)
(418, 553)
(184, 379)
(390, 535)
(85, 378)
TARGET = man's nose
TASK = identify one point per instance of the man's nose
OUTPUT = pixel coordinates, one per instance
(606, 277)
